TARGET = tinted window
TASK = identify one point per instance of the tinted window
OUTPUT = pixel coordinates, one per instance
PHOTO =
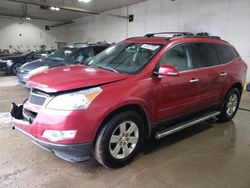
(226, 53)
(179, 56)
(206, 55)
(99, 49)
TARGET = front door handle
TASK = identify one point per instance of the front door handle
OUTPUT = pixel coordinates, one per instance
(223, 74)
(193, 80)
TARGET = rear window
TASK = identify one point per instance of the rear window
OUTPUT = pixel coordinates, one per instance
(206, 55)
(226, 53)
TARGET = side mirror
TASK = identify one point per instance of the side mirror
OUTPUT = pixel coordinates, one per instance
(167, 70)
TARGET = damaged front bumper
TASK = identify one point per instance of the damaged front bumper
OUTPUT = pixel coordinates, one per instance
(70, 153)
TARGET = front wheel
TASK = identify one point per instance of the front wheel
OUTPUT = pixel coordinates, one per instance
(15, 68)
(120, 139)
(230, 105)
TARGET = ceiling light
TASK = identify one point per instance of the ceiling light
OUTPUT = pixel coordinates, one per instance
(84, 1)
(28, 18)
(54, 8)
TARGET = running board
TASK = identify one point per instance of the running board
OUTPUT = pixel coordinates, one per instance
(185, 125)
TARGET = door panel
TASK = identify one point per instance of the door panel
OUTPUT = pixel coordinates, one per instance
(208, 71)
(209, 86)
(177, 95)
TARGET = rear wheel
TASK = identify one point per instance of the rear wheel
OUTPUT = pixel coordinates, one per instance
(15, 68)
(230, 105)
(119, 140)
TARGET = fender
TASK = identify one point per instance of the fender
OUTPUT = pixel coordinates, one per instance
(135, 101)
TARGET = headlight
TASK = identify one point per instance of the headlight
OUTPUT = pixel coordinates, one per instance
(74, 101)
(55, 136)
(9, 62)
(37, 70)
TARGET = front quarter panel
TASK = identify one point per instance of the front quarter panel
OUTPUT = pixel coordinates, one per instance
(139, 92)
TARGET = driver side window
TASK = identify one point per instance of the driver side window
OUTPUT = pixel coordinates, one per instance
(180, 56)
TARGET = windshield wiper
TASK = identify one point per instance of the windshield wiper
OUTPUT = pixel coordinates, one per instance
(106, 68)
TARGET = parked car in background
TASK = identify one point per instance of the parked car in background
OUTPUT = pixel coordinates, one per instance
(141, 87)
(69, 55)
(12, 64)
(6, 53)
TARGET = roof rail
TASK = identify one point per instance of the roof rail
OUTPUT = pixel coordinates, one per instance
(206, 35)
(174, 34)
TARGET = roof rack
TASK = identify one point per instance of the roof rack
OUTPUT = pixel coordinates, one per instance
(174, 34)
(206, 35)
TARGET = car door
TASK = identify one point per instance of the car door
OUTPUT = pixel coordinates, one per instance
(208, 72)
(177, 95)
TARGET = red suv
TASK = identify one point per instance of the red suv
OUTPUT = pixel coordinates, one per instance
(142, 87)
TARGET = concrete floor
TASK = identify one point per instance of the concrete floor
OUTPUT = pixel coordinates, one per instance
(205, 156)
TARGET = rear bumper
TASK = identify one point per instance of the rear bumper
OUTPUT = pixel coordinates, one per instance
(70, 153)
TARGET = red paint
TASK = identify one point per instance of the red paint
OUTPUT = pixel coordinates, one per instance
(161, 98)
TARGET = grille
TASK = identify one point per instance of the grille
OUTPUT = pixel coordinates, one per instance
(37, 97)
(37, 100)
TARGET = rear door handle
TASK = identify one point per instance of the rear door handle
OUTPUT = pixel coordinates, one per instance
(223, 74)
(193, 80)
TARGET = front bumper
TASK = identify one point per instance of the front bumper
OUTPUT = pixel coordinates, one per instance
(22, 79)
(3, 67)
(69, 152)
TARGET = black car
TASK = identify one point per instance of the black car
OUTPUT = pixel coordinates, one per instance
(76, 54)
(12, 64)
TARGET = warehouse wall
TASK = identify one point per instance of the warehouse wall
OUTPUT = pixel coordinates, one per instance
(226, 18)
(99, 28)
(32, 33)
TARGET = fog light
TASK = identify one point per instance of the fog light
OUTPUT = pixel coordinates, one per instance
(55, 136)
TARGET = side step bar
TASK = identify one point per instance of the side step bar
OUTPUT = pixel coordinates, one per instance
(185, 125)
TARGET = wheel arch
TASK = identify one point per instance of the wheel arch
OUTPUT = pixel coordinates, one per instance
(237, 85)
(133, 107)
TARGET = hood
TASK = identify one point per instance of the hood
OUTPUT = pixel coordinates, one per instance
(40, 63)
(72, 77)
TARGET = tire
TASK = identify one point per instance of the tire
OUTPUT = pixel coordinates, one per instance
(230, 105)
(15, 68)
(123, 147)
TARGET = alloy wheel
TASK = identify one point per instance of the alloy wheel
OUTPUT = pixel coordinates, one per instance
(232, 104)
(124, 140)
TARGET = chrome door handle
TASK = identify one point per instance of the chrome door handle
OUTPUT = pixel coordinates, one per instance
(223, 74)
(193, 80)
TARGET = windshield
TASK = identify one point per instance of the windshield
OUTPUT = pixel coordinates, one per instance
(61, 53)
(128, 58)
